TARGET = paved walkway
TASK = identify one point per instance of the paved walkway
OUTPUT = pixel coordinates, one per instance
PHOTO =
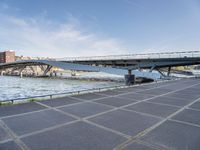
(149, 117)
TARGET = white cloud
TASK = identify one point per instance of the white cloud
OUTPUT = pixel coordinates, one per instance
(42, 37)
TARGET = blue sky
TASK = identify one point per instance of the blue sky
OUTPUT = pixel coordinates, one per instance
(64, 28)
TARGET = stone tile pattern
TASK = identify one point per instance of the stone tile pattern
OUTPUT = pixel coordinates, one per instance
(156, 116)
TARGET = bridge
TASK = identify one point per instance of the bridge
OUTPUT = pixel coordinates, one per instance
(115, 64)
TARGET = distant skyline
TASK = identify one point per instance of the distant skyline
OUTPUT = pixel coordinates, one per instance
(68, 28)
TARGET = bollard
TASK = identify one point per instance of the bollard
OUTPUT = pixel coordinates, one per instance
(129, 79)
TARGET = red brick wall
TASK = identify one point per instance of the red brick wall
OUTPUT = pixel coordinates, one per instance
(2, 57)
(7, 56)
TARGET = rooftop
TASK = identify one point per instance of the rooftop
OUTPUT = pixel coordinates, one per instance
(163, 115)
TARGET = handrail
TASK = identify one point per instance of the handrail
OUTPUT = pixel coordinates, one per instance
(64, 93)
(189, 54)
(81, 92)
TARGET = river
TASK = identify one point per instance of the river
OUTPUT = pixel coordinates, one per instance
(15, 87)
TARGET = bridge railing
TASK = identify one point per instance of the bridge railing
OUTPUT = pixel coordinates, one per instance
(188, 54)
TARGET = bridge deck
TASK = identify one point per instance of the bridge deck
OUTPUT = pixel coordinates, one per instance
(156, 116)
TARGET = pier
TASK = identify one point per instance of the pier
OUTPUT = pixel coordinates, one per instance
(164, 115)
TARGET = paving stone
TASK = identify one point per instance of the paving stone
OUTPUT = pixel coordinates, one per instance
(188, 115)
(89, 96)
(77, 136)
(153, 109)
(132, 89)
(85, 109)
(175, 136)
(138, 146)
(173, 87)
(3, 134)
(196, 105)
(135, 96)
(110, 92)
(189, 94)
(125, 90)
(151, 86)
(129, 123)
(196, 86)
(169, 87)
(183, 95)
(170, 135)
(59, 101)
(9, 146)
(170, 101)
(36, 121)
(114, 101)
(191, 91)
(19, 108)
(157, 91)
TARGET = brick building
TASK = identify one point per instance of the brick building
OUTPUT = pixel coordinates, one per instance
(7, 56)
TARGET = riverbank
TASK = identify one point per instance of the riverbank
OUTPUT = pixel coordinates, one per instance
(79, 92)
(15, 87)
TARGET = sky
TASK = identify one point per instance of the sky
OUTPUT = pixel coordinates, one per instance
(70, 28)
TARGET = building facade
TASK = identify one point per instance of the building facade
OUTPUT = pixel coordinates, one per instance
(7, 56)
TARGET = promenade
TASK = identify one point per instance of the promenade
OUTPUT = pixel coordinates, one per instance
(163, 115)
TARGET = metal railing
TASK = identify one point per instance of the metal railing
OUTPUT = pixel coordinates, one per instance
(64, 94)
(51, 96)
(188, 54)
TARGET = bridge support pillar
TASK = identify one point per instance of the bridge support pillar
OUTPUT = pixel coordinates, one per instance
(169, 71)
(51, 74)
(47, 70)
(21, 74)
(1, 73)
(55, 73)
(129, 78)
(20, 71)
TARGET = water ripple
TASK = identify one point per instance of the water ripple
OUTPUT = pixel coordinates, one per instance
(15, 87)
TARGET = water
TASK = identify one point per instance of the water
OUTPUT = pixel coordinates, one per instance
(15, 87)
